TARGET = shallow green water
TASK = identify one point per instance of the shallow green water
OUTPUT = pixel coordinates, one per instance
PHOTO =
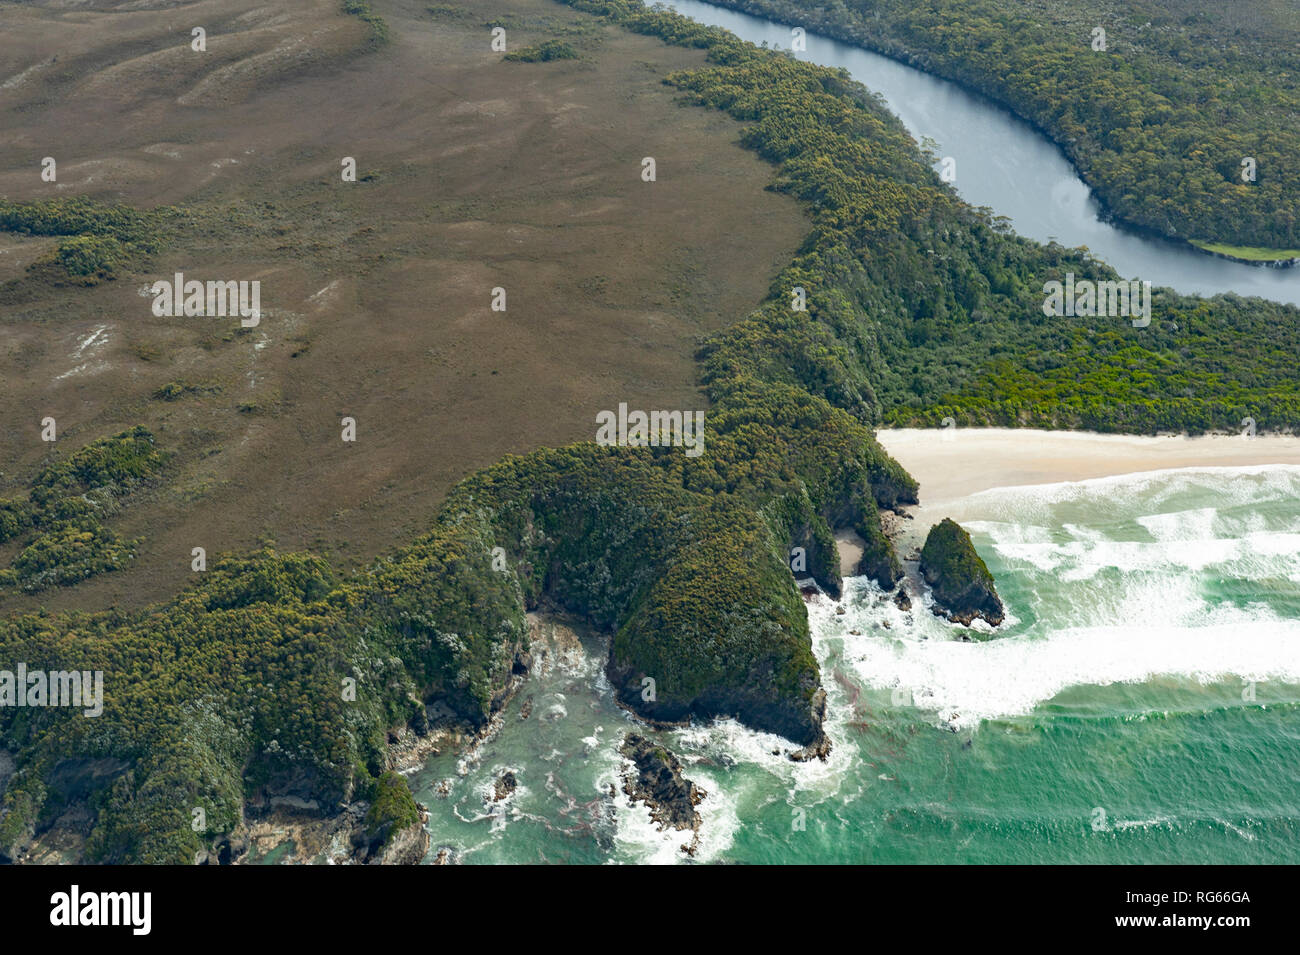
(1139, 706)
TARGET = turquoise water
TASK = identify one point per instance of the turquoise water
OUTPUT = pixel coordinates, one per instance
(1139, 706)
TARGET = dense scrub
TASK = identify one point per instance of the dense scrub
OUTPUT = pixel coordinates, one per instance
(1158, 123)
(269, 677)
(362, 10)
(98, 241)
(392, 807)
(69, 500)
(543, 52)
(920, 307)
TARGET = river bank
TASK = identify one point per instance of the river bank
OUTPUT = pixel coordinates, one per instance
(860, 33)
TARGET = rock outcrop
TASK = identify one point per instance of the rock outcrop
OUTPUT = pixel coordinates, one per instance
(504, 786)
(657, 781)
(406, 846)
(962, 585)
(820, 746)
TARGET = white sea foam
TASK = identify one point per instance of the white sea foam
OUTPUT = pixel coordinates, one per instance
(1148, 490)
(969, 682)
(1153, 614)
(1193, 525)
(1083, 557)
(641, 839)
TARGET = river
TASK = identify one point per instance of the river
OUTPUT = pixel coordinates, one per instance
(1007, 165)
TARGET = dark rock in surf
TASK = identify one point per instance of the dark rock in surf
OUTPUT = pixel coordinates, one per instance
(504, 786)
(657, 781)
(962, 585)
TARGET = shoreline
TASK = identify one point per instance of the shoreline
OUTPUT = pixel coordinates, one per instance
(1281, 262)
(955, 463)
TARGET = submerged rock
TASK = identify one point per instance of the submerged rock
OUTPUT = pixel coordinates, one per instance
(962, 585)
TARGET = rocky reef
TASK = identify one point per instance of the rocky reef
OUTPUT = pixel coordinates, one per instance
(656, 779)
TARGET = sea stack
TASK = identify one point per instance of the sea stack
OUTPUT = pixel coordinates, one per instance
(962, 585)
(657, 781)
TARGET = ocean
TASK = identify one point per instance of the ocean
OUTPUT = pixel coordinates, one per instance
(1138, 706)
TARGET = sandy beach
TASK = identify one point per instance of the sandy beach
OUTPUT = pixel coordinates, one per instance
(956, 463)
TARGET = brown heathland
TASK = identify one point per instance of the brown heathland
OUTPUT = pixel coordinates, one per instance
(376, 295)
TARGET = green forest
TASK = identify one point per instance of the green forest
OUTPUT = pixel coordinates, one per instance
(276, 673)
(1158, 123)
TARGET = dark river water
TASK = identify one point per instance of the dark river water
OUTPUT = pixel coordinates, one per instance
(1007, 165)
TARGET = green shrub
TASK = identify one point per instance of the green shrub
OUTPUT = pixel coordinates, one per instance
(543, 53)
(68, 501)
(68, 553)
(392, 807)
(92, 256)
(362, 10)
(100, 240)
(15, 516)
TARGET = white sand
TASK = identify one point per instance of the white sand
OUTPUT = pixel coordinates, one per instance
(958, 462)
(850, 547)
